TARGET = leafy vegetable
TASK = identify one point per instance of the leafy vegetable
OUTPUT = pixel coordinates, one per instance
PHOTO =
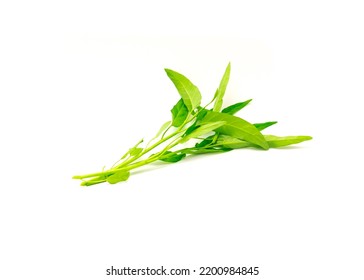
(214, 131)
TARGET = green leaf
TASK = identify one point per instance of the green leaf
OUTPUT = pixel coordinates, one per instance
(261, 126)
(193, 127)
(118, 176)
(162, 129)
(179, 113)
(172, 156)
(219, 95)
(205, 142)
(277, 141)
(273, 141)
(237, 127)
(201, 114)
(188, 91)
(134, 150)
(232, 142)
(233, 109)
(200, 151)
(203, 129)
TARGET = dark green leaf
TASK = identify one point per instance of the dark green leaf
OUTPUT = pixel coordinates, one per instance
(179, 113)
(219, 95)
(193, 127)
(261, 126)
(118, 176)
(201, 114)
(172, 156)
(205, 142)
(237, 127)
(188, 91)
(233, 109)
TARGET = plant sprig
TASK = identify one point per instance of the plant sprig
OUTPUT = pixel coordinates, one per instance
(213, 130)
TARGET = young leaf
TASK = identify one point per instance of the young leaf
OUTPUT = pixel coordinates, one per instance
(134, 150)
(276, 141)
(203, 129)
(233, 109)
(179, 113)
(162, 129)
(188, 91)
(172, 156)
(261, 126)
(219, 95)
(237, 127)
(118, 176)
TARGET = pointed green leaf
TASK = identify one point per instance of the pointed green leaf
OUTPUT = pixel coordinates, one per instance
(261, 126)
(188, 91)
(232, 142)
(277, 141)
(273, 141)
(200, 151)
(203, 129)
(221, 90)
(237, 127)
(162, 129)
(205, 142)
(172, 156)
(179, 113)
(193, 127)
(118, 176)
(201, 114)
(233, 109)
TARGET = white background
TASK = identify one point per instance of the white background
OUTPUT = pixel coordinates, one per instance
(81, 81)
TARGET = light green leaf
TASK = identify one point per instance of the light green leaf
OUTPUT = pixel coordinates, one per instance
(162, 129)
(203, 129)
(188, 91)
(277, 141)
(134, 150)
(273, 141)
(179, 113)
(237, 127)
(232, 142)
(118, 176)
(233, 109)
(219, 95)
(261, 126)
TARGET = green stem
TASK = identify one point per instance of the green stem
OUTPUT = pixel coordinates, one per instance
(127, 165)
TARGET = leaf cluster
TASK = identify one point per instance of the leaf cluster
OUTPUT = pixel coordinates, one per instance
(210, 129)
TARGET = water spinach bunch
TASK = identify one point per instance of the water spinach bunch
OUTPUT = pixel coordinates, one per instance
(209, 129)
